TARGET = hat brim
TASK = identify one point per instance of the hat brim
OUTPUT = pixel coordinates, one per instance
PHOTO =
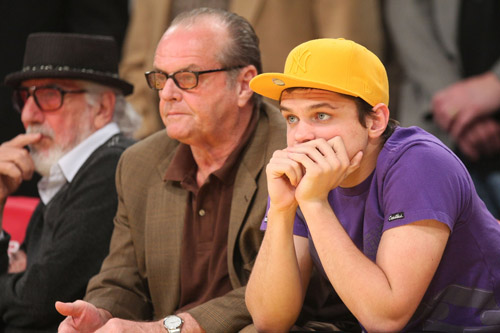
(15, 79)
(272, 85)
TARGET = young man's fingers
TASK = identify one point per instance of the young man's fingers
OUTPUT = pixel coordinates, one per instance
(355, 162)
(317, 151)
(287, 168)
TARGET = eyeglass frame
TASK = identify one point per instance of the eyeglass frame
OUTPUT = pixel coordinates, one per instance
(32, 93)
(196, 74)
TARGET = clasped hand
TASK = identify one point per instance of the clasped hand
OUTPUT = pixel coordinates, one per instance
(308, 171)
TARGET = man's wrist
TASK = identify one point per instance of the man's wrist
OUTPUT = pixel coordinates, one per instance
(173, 323)
(105, 315)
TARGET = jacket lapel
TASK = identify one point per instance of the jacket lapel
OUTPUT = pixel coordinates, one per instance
(245, 187)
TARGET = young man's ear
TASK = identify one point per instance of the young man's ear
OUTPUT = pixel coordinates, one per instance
(104, 113)
(378, 120)
(244, 92)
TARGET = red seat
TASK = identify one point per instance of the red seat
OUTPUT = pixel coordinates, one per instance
(16, 215)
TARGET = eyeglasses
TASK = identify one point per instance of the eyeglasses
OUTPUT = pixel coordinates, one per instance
(47, 98)
(183, 79)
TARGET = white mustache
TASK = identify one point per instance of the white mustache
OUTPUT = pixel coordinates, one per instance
(45, 131)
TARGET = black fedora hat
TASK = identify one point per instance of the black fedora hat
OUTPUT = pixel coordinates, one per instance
(72, 56)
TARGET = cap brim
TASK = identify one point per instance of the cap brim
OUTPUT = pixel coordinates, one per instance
(271, 85)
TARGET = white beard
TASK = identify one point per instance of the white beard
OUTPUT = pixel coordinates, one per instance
(45, 160)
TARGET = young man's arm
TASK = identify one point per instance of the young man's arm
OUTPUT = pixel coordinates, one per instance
(383, 295)
(386, 292)
(279, 279)
(275, 291)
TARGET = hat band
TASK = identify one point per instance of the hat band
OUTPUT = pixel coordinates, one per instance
(67, 69)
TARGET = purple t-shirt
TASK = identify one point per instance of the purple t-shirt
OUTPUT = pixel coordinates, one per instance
(417, 178)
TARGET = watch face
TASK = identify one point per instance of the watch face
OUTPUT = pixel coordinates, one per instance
(172, 322)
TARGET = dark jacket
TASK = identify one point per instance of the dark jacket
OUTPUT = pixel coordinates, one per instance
(65, 242)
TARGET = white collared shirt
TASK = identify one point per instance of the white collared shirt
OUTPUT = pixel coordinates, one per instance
(67, 167)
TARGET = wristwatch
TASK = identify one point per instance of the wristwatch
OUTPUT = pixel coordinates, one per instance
(173, 324)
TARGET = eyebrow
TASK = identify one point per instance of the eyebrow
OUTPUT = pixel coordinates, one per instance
(311, 108)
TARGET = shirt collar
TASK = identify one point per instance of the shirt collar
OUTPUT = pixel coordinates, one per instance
(72, 161)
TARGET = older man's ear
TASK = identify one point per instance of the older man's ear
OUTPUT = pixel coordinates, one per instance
(247, 73)
(105, 111)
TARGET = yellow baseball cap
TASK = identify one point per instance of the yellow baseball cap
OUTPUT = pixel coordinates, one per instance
(338, 65)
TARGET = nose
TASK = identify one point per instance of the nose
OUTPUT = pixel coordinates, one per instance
(31, 113)
(303, 132)
(170, 91)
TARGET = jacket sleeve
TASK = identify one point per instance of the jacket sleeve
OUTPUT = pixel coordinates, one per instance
(223, 314)
(119, 287)
(73, 239)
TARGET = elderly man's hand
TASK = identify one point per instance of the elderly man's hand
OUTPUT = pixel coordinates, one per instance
(16, 164)
(17, 262)
(81, 317)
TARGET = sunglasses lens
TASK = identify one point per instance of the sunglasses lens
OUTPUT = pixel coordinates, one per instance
(186, 80)
(156, 80)
(48, 99)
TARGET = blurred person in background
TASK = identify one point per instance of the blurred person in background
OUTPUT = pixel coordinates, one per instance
(449, 51)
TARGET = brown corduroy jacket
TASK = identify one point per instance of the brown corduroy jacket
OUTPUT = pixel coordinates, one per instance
(140, 278)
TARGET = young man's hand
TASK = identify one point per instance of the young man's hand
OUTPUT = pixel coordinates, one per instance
(283, 175)
(326, 165)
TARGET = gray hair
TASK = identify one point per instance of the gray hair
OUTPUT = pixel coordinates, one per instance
(124, 114)
(243, 47)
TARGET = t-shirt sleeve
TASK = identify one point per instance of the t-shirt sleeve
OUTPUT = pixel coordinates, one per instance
(299, 225)
(425, 182)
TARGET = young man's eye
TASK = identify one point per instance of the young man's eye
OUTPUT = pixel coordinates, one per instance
(291, 119)
(323, 116)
